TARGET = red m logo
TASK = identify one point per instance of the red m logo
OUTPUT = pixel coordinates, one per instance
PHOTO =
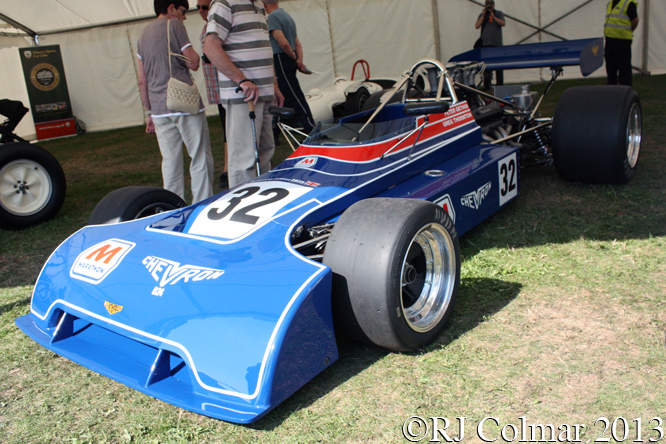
(104, 252)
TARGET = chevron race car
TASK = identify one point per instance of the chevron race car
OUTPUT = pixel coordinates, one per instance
(229, 306)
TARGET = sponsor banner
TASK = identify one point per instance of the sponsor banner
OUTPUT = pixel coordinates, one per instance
(57, 128)
(98, 261)
(47, 87)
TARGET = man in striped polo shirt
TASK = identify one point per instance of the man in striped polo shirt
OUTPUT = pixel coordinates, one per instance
(237, 43)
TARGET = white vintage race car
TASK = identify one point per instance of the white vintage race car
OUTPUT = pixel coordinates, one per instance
(346, 96)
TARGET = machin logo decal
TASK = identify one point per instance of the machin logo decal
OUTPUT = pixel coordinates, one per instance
(308, 162)
(167, 272)
(475, 198)
(98, 261)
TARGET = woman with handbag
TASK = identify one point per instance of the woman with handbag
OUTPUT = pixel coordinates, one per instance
(173, 106)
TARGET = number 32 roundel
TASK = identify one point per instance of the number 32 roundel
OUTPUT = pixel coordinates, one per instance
(246, 208)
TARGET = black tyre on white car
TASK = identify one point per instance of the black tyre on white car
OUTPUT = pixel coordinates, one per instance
(32, 185)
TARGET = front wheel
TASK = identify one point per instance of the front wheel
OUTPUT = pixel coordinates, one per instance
(129, 203)
(396, 272)
(597, 132)
(32, 185)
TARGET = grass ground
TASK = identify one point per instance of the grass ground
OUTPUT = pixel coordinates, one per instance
(560, 319)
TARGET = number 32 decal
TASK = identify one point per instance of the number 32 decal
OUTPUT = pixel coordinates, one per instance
(508, 178)
(241, 210)
(241, 214)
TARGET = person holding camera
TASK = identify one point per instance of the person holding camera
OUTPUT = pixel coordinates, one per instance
(491, 22)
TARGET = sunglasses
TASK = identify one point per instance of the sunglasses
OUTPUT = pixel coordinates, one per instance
(203, 7)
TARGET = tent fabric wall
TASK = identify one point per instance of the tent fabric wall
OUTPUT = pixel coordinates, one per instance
(657, 38)
(391, 35)
(311, 17)
(52, 15)
(101, 77)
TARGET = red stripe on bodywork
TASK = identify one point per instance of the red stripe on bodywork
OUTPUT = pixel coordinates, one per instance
(441, 123)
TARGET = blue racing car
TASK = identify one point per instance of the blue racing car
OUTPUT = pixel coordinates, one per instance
(229, 306)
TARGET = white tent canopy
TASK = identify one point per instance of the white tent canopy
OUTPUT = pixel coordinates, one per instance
(98, 41)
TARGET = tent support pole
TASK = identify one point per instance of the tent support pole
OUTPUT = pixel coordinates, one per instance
(543, 29)
(646, 37)
(330, 34)
(18, 25)
(435, 21)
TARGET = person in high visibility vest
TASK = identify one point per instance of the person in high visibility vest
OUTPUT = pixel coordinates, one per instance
(621, 21)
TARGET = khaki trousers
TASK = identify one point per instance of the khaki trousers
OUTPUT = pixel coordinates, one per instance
(241, 144)
(192, 130)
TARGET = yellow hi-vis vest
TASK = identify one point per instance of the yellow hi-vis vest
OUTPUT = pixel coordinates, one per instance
(618, 25)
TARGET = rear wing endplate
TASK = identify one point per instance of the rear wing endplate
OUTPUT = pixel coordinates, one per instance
(588, 53)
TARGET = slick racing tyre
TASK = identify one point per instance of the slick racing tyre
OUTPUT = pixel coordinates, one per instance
(32, 185)
(597, 133)
(396, 272)
(131, 203)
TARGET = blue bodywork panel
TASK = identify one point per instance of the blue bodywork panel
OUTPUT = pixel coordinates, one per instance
(209, 307)
(588, 53)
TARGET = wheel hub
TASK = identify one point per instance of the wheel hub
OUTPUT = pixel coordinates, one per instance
(409, 275)
(22, 187)
(25, 187)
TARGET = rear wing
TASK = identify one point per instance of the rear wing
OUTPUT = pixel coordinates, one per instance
(588, 53)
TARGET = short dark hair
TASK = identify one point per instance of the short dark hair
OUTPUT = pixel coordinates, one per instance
(162, 6)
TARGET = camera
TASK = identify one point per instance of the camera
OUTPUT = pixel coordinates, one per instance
(487, 11)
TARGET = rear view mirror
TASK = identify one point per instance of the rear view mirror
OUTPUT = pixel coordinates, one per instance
(421, 108)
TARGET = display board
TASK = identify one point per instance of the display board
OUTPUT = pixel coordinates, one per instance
(47, 90)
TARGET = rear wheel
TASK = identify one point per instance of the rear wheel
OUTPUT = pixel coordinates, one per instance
(32, 185)
(131, 203)
(355, 101)
(396, 272)
(597, 132)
